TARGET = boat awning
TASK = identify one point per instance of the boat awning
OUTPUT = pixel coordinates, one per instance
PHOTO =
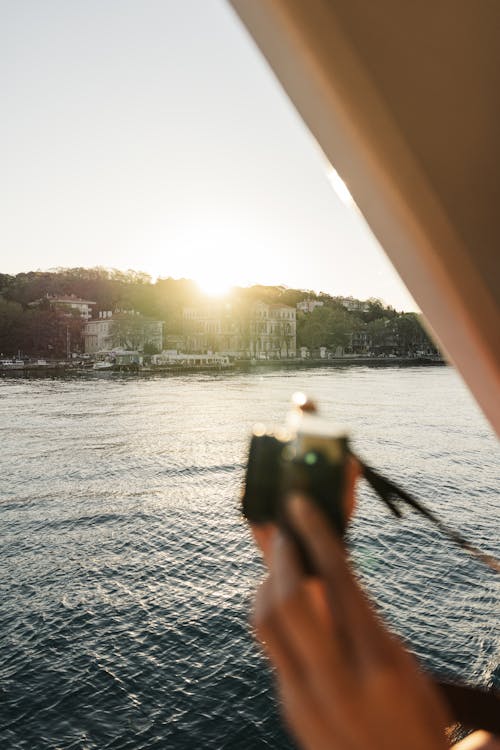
(402, 97)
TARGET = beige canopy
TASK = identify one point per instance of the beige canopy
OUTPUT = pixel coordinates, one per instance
(404, 99)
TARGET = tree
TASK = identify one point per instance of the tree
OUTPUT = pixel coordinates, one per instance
(11, 327)
(377, 310)
(128, 332)
(324, 326)
(150, 348)
(412, 336)
(380, 334)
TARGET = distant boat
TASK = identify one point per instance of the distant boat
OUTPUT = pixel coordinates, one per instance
(11, 364)
(104, 365)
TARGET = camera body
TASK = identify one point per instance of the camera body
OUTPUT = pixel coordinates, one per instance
(308, 457)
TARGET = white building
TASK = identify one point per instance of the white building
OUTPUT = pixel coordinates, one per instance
(258, 330)
(68, 303)
(125, 331)
(97, 336)
(273, 331)
(308, 305)
(354, 305)
(212, 327)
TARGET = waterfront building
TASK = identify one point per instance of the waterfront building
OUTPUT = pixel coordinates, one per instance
(244, 330)
(359, 342)
(174, 341)
(212, 327)
(129, 331)
(273, 331)
(97, 336)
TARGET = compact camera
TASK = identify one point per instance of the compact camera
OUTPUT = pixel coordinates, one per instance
(307, 456)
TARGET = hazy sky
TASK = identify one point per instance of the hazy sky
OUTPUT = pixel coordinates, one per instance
(151, 134)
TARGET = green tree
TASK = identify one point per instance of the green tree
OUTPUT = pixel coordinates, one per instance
(380, 334)
(412, 336)
(377, 310)
(150, 348)
(324, 326)
(12, 335)
(128, 332)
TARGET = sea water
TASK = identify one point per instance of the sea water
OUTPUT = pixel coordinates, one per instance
(127, 572)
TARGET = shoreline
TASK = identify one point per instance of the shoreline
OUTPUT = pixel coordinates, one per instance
(340, 362)
(238, 366)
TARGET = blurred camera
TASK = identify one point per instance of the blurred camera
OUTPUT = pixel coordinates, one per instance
(306, 456)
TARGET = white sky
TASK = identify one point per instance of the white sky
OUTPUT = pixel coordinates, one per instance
(151, 134)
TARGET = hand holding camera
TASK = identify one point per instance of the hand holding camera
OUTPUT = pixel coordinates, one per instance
(344, 681)
(343, 678)
(305, 456)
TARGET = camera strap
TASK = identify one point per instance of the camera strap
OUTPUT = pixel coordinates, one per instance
(473, 707)
(392, 496)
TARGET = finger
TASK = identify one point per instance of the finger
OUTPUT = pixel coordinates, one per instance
(292, 589)
(286, 568)
(324, 546)
(306, 718)
(301, 710)
(263, 534)
(272, 638)
(300, 614)
(365, 641)
(302, 688)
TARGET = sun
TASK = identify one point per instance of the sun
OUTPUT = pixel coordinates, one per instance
(213, 284)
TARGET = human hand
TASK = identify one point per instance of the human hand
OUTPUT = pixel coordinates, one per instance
(344, 681)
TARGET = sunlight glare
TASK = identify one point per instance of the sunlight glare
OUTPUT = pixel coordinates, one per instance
(213, 284)
(339, 186)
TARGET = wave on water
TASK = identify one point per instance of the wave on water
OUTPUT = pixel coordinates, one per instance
(127, 571)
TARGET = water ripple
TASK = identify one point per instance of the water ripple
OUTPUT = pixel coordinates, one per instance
(127, 571)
